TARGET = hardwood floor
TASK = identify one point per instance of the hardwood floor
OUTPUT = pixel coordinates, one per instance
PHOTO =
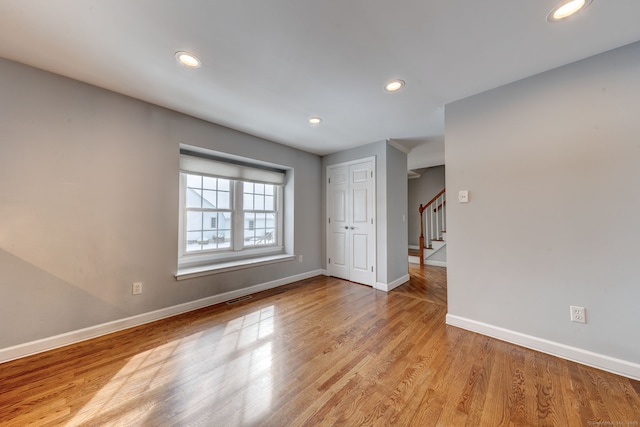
(318, 352)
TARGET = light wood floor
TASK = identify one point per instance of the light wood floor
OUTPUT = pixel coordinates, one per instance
(318, 352)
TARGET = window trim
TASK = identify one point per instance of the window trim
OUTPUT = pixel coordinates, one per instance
(190, 272)
(220, 260)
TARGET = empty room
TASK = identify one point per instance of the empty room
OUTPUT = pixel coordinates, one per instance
(235, 213)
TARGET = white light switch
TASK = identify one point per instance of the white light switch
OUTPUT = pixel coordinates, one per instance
(463, 196)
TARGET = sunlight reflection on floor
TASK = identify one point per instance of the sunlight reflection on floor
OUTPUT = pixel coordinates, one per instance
(142, 373)
(237, 385)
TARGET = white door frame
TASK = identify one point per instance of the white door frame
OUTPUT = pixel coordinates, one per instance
(373, 239)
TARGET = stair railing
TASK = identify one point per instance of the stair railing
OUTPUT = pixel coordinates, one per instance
(435, 222)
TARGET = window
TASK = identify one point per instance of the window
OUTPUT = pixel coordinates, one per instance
(211, 209)
(259, 214)
(207, 205)
(228, 212)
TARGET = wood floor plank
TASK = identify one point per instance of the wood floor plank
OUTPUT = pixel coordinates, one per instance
(319, 352)
(513, 388)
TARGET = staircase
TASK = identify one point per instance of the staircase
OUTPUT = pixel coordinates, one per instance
(432, 229)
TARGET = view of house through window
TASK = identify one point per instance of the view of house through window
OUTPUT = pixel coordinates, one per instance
(208, 212)
(259, 214)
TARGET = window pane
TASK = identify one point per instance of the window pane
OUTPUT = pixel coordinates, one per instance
(194, 221)
(208, 240)
(247, 202)
(248, 187)
(224, 200)
(224, 239)
(209, 199)
(249, 221)
(224, 184)
(225, 220)
(270, 222)
(269, 190)
(259, 202)
(194, 181)
(193, 198)
(209, 183)
(192, 241)
(210, 220)
(269, 238)
(259, 189)
(269, 203)
(224, 230)
(193, 236)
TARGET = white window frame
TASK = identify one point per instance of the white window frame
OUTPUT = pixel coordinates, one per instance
(237, 250)
(193, 264)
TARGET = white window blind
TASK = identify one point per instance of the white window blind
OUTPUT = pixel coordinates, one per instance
(238, 172)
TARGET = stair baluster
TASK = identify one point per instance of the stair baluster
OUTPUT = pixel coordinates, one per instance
(435, 221)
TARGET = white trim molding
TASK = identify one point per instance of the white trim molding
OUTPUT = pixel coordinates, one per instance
(436, 263)
(574, 354)
(208, 269)
(386, 287)
(56, 341)
(398, 146)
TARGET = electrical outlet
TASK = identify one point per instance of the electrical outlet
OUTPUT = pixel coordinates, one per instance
(578, 314)
(136, 288)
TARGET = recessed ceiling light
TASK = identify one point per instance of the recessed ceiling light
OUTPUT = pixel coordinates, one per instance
(394, 85)
(188, 59)
(315, 120)
(566, 8)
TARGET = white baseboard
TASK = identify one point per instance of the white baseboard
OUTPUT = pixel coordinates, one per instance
(389, 286)
(436, 263)
(415, 247)
(56, 341)
(585, 357)
(416, 260)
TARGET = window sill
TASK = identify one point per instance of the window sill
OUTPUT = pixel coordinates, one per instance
(222, 267)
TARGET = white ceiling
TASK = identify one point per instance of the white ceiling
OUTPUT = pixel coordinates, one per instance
(268, 65)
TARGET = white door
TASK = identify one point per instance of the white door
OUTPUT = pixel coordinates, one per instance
(351, 221)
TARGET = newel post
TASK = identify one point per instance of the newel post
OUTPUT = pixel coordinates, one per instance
(421, 209)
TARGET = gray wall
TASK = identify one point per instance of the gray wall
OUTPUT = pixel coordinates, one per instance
(390, 233)
(421, 190)
(552, 164)
(89, 204)
(397, 202)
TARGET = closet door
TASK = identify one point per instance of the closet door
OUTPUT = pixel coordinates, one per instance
(351, 221)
